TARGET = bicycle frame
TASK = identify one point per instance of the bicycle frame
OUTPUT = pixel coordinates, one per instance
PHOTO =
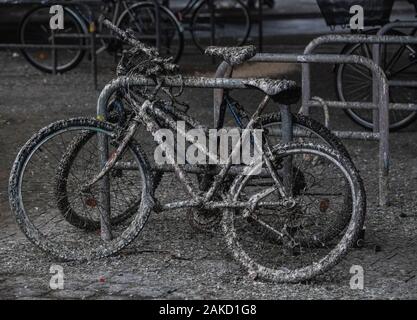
(149, 114)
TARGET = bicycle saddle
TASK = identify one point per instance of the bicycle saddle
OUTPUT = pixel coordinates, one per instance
(232, 55)
(281, 91)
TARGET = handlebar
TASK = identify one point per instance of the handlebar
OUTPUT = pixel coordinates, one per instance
(128, 38)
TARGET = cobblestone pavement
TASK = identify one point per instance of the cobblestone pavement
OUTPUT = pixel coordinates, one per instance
(166, 263)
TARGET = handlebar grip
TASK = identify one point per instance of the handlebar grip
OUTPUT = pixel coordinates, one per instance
(127, 37)
(123, 35)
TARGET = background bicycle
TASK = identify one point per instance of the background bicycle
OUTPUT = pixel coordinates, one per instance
(354, 83)
(79, 20)
(208, 21)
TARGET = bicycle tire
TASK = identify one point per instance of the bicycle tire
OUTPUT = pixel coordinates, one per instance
(74, 248)
(313, 268)
(81, 28)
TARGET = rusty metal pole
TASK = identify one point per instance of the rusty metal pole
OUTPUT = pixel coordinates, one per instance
(54, 53)
(223, 71)
(92, 31)
(103, 146)
(376, 54)
(105, 213)
(305, 88)
(158, 25)
(260, 26)
(212, 22)
(287, 136)
(212, 8)
(384, 157)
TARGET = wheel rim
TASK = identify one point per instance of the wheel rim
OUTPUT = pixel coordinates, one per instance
(37, 212)
(283, 265)
(35, 30)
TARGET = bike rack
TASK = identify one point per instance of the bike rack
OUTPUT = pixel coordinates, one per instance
(382, 101)
(376, 41)
(376, 57)
(91, 36)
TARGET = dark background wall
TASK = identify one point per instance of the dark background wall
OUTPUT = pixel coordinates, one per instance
(11, 11)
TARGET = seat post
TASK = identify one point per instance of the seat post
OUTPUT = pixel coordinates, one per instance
(287, 136)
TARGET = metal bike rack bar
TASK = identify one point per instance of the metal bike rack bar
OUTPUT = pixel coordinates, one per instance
(376, 49)
(377, 94)
(396, 25)
(356, 39)
(260, 25)
(183, 82)
(381, 102)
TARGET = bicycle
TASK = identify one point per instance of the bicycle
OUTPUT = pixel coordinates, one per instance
(274, 206)
(119, 110)
(208, 21)
(78, 22)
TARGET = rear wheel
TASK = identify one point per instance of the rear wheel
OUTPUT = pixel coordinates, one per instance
(292, 244)
(34, 29)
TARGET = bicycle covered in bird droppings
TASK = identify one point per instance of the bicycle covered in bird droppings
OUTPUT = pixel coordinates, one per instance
(83, 188)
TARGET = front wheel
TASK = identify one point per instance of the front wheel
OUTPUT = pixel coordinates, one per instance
(287, 244)
(60, 217)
